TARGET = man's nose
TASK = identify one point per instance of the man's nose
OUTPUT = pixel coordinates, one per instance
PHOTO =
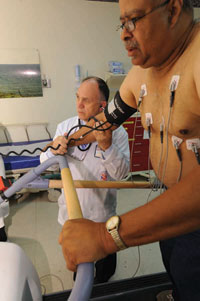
(80, 104)
(126, 35)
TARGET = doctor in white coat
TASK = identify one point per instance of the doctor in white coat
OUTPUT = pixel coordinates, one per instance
(106, 159)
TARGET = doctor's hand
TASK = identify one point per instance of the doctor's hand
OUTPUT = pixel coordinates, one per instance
(83, 240)
(63, 145)
(104, 138)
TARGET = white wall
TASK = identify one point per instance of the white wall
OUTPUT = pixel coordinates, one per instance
(197, 12)
(66, 33)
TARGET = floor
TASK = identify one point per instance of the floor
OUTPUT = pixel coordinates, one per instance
(32, 224)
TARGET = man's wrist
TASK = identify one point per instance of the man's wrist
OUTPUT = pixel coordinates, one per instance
(107, 241)
(112, 226)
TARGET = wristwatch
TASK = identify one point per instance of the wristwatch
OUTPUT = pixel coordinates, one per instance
(112, 226)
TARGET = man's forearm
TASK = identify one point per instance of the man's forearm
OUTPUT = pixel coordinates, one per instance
(81, 136)
(175, 212)
(85, 134)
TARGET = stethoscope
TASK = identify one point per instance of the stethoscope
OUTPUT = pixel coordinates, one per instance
(83, 147)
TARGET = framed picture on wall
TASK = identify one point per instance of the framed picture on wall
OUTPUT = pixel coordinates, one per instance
(20, 74)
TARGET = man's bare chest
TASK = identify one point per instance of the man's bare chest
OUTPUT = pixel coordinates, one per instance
(170, 103)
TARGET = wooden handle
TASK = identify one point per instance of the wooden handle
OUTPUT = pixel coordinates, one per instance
(101, 184)
(72, 202)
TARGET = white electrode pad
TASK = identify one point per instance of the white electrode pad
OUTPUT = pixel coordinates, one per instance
(174, 82)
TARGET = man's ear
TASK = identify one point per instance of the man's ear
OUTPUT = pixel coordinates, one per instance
(174, 9)
(103, 105)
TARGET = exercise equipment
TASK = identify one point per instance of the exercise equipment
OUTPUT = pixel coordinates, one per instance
(143, 288)
(18, 277)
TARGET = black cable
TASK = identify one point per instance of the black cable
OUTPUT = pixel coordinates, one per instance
(149, 131)
(31, 153)
(139, 102)
(86, 126)
(195, 150)
(178, 151)
(56, 148)
(179, 155)
(157, 184)
(97, 128)
(91, 130)
(172, 97)
(161, 134)
(197, 157)
(142, 92)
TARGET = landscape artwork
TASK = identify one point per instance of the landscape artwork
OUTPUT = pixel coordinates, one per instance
(20, 75)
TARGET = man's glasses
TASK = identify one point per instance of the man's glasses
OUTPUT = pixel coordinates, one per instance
(130, 24)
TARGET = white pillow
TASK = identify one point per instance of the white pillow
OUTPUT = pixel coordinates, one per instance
(16, 133)
(3, 138)
(37, 132)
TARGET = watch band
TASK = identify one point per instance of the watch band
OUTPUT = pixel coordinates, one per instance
(112, 226)
(117, 239)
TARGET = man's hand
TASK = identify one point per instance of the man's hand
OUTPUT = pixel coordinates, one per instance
(83, 240)
(63, 145)
(104, 138)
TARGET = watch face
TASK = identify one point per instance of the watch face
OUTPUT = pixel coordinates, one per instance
(112, 223)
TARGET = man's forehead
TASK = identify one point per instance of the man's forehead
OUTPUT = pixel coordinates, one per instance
(88, 90)
(130, 7)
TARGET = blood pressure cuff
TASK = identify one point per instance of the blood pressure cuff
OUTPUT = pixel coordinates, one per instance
(117, 111)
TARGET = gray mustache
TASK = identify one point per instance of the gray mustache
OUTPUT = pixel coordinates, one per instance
(131, 44)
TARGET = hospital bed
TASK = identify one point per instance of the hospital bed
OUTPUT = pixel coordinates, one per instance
(14, 139)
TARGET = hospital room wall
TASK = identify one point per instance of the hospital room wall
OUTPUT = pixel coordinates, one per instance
(65, 33)
(197, 13)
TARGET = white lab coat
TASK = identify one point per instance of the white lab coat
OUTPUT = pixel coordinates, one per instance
(95, 165)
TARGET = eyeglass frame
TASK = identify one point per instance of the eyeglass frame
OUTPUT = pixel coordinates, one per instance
(132, 21)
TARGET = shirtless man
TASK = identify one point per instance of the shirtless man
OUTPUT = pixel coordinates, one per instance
(163, 42)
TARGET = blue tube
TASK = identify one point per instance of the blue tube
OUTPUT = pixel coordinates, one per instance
(84, 282)
(29, 176)
(85, 271)
(38, 183)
